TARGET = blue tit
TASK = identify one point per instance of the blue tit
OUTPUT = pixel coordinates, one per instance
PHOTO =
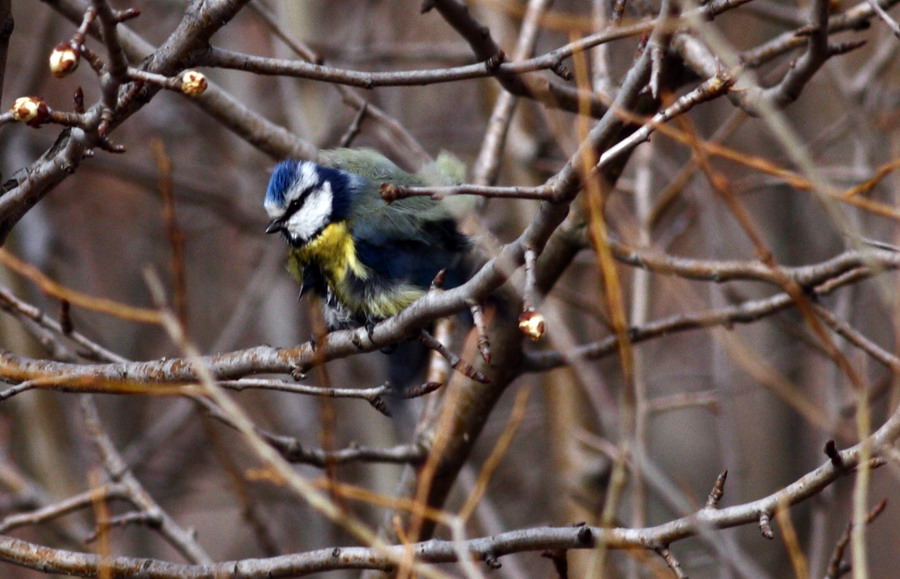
(367, 259)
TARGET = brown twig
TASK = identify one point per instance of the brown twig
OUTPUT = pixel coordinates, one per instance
(885, 17)
(455, 361)
(836, 568)
(484, 341)
(173, 231)
(355, 126)
(671, 562)
(74, 297)
(493, 460)
(717, 492)
(179, 538)
(435, 550)
(765, 525)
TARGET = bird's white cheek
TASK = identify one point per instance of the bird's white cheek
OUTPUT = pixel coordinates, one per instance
(302, 227)
(312, 217)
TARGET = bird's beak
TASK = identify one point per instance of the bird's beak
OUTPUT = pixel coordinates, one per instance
(275, 226)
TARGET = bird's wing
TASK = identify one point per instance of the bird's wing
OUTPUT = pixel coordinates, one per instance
(418, 260)
(410, 239)
(407, 241)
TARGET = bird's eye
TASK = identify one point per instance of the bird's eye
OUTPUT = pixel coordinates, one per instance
(293, 206)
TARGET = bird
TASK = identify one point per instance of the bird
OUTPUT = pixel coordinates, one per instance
(365, 258)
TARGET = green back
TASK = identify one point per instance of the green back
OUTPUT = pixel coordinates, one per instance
(402, 219)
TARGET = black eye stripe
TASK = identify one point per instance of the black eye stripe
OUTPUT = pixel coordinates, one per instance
(294, 205)
(297, 203)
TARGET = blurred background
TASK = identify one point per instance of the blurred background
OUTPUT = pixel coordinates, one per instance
(758, 399)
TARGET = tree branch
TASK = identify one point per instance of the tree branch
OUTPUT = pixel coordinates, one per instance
(441, 551)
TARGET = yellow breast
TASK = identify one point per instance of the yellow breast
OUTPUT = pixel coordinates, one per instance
(334, 253)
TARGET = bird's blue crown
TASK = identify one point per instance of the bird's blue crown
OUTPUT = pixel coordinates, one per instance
(283, 177)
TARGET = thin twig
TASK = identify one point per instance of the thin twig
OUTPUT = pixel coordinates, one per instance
(179, 538)
(455, 361)
(885, 17)
(436, 551)
(671, 562)
(717, 492)
(835, 566)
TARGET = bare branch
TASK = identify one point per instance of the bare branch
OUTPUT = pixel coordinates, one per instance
(581, 89)
(885, 17)
(439, 551)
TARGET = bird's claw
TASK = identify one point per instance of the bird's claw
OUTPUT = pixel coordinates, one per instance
(298, 373)
(370, 329)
